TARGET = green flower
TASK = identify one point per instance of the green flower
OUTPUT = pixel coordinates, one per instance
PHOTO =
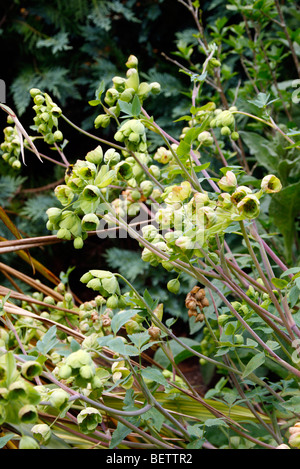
(271, 184)
(90, 222)
(42, 432)
(28, 414)
(249, 206)
(31, 368)
(95, 156)
(88, 419)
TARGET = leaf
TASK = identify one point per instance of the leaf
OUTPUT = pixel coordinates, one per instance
(120, 319)
(48, 342)
(262, 149)
(279, 283)
(5, 439)
(153, 374)
(253, 364)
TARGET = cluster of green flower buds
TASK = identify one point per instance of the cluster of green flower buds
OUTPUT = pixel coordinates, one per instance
(226, 122)
(133, 134)
(125, 89)
(18, 398)
(11, 147)
(47, 114)
(79, 368)
(189, 220)
(105, 283)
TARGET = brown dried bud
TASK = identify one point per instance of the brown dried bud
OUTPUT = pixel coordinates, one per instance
(154, 332)
(199, 317)
(194, 290)
(205, 302)
(190, 303)
(192, 312)
(200, 294)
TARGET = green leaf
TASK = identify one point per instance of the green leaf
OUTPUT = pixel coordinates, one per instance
(5, 439)
(279, 283)
(153, 374)
(136, 106)
(120, 319)
(254, 363)
(48, 342)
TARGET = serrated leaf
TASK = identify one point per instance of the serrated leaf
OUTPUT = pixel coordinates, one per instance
(120, 319)
(254, 363)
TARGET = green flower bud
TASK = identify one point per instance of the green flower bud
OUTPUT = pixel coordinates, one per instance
(28, 414)
(155, 87)
(225, 131)
(54, 214)
(88, 419)
(173, 285)
(34, 92)
(111, 157)
(119, 83)
(271, 184)
(3, 396)
(132, 79)
(228, 182)
(143, 90)
(64, 194)
(147, 188)
(111, 96)
(27, 442)
(30, 369)
(65, 371)
(95, 156)
(132, 62)
(235, 136)
(222, 319)
(112, 302)
(90, 222)
(127, 95)
(225, 119)
(63, 233)
(205, 138)
(59, 399)
(78, 359)
(42, 433)
(87, 372)
(58, 136)
(102, 120)
(78, 243)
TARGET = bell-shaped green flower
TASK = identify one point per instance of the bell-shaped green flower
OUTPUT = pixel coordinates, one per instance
(271, 184)
(249, 206)
(28, 414)
(91, 193)
(64, 194)
(42, 432)
(88, 419)
(31, 369)
(90, 222)
(239, 194)
(17, 390)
